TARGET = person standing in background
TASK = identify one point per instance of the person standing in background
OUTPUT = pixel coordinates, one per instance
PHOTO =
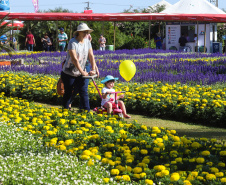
(158, 41)
(195, 41)
(30, 41)
(13, 42)
(102, 42)
(46, 42)
(62, 39)
(182, 41)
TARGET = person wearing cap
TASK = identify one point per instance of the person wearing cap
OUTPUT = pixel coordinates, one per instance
(62, 39)
(158, 41)
(102, 42)
(108, 99)
(79, 50)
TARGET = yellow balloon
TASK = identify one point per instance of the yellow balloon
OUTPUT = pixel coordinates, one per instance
(127, 70)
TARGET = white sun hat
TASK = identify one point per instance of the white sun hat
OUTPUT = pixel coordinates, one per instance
(83, 27)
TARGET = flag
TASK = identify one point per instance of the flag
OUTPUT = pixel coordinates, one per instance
(4, 5)
(35, 3)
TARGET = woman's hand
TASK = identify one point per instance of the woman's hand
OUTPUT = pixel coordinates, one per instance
(93, 72)
(97, 72)
(84, 73)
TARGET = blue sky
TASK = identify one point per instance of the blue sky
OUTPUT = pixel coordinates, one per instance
(98, 6)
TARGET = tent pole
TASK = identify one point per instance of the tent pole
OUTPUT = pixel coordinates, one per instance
(205, 39)
(70, 29)
(12, 35)
(149, 34)
(56, 35)
(197, 36)
(114, 36)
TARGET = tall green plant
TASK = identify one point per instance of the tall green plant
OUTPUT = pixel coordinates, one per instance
(4, 28)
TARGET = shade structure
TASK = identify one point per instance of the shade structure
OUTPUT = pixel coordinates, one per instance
(193, 7)
(16, 24)
(218, 18)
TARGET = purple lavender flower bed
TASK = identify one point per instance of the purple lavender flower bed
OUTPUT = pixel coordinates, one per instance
(151, 66)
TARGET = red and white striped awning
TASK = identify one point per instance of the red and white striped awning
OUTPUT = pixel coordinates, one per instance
(16, 24)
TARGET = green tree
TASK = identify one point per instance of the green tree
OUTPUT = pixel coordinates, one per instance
(4, 29)
(139, 31)
(39, 28)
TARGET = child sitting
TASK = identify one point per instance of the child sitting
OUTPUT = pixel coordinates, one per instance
(108, 99)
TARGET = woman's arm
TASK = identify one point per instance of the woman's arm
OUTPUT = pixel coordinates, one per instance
(94, 69)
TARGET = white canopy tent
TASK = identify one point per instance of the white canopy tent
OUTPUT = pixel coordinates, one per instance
(206, 32)
(193, 7)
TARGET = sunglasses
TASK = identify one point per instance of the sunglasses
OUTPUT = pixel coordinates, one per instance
(86, 32)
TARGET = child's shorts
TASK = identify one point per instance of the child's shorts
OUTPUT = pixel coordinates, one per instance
(113, 104)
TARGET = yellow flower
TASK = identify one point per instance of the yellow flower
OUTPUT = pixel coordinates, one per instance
(62, 147)
(164, 172)
(221, 164)
(156, 149)
(159, 167)
(73, 122)
(173, 132)
(200, 160)
(194, 173)
(213, 169)
(106, 180)
(210, 177)
(174, 177)
(128, 168)
(219, 174)
(137, 170)
(223, 180)
(195, 145)
(187, 182)
(148, 181)
(205, 153)
(144, 152)
(108, 154)
(62, 121)
(68, 142)
(90, 163)
(87, 152)
(137, 176)
(85, 157)
(223, 153)
(126, 177)
(144, 127)
(114, 171)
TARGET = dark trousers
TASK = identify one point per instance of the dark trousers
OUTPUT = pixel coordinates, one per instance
(75, 92)
(30, 47)
(72, 84)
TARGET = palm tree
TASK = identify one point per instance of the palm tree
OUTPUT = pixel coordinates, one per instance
(4, 28)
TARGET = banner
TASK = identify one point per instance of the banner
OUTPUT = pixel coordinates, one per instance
(4, 5)
(35, 3)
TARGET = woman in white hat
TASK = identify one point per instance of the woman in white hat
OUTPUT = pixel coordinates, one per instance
(79, 50)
